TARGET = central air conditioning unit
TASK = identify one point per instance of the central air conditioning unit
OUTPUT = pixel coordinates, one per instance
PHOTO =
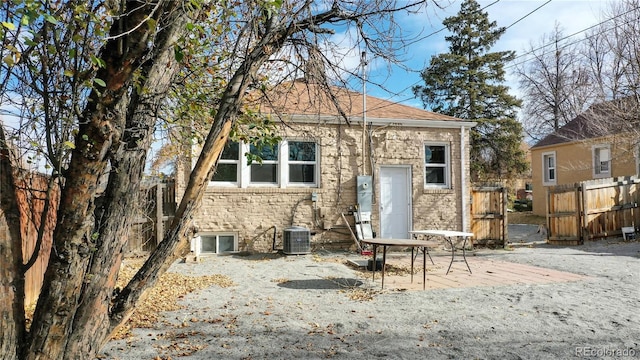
(296, 240)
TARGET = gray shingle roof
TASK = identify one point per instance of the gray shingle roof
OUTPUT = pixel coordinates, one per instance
(607, 118)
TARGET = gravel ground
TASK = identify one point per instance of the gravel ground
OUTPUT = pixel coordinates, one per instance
(316, 307)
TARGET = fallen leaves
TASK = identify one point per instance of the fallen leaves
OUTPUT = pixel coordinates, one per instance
(280, 280)
(359, 294)
(180, 344)
(163, 297)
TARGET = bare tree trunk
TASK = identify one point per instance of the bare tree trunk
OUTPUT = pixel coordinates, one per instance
(174, 244)
(91, 323)
(12, 321)
(74, 241)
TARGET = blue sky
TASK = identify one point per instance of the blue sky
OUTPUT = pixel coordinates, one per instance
(572, 15)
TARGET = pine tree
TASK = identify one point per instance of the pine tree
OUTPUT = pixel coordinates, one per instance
(467, 82)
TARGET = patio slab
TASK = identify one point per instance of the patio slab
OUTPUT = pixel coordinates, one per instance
(485, 272)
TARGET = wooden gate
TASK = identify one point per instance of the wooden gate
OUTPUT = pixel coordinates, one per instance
(563, 214)
(591, 210)
(489, 215)
(156, 208)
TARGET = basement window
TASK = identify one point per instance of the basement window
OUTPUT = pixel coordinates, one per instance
(218, 243)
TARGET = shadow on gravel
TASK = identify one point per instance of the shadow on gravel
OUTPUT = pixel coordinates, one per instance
(245, 255)
(321, 284)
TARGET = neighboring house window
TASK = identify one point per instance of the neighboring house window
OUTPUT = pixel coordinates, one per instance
(601, 161)
(267, 171)
(218, 243)
(638, 160)
(549, 168)
(227, 171)
(302, 162)
(436, 165)
(291, 163)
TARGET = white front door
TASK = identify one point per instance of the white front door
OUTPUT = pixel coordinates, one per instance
(395, 202)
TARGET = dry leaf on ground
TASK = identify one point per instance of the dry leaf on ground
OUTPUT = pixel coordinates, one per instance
(162, 297)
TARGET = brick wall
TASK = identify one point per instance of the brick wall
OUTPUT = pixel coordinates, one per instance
(252, 212)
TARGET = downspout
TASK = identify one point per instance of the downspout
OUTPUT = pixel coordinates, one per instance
(463, 181)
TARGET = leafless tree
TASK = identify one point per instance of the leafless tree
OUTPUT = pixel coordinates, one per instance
(597, 76)
(612, 52)
(556, 84)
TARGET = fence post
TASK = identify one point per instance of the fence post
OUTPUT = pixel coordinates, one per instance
(582, 212)
(158, 219)
(505, 214)
(548, 212)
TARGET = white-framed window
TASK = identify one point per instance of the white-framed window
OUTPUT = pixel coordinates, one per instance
(266, 171)
(601, 161)
(549, 168)
(437, 165)
(228, 169)
(291, 163)
(218, 243)
(302, 163)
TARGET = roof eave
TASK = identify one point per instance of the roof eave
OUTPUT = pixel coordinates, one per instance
(421, 123)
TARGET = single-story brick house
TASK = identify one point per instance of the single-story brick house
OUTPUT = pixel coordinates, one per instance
(594, 145)
(412, 163)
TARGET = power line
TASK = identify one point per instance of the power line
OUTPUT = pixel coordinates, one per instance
(444, 28)
(524, 17)
(569, 36)
(529, 52)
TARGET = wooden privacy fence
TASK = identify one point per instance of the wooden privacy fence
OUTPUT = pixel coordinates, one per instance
(31, 192)
(592, 209)
(489, 215)
(156, 208)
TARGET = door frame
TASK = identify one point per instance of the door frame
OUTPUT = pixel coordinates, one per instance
(409, 193)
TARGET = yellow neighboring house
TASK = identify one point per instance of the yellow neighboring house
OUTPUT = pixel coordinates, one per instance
(591, 146)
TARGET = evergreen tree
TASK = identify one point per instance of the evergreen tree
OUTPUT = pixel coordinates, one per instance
(467, 83)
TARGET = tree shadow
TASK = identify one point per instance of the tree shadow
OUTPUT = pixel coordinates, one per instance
(245, 255)
(321, 284)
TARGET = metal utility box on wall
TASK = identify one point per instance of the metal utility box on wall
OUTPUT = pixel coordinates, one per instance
(296, 240)
(364, 192)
